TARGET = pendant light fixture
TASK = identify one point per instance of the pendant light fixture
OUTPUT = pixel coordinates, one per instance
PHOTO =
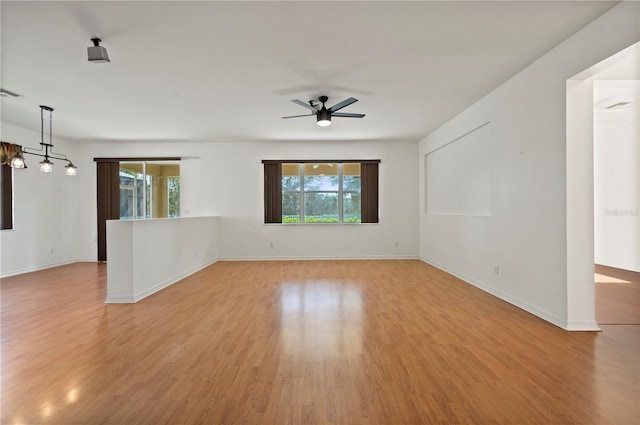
(46, 149)
(18, 160)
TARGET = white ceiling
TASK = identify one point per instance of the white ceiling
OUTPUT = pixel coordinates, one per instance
(227, 71)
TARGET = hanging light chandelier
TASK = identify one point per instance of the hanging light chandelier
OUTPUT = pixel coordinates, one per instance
(46, 149)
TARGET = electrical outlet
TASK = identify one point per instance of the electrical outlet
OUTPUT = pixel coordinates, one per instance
(496, 270)
(272, 245)
(52, 251)
(396, 244)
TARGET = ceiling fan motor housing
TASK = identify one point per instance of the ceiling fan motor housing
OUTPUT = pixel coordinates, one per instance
(324, 114)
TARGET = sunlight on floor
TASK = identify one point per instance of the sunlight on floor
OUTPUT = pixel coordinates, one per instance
(600, 278)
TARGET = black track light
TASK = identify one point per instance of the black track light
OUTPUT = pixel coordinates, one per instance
(97, 53)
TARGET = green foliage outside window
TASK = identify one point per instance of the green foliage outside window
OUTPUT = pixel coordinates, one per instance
(327, 193)
(173, 189)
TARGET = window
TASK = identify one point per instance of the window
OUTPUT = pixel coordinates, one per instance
(291, 193)
(6, 201)
(149, 190)
(130, 188)
(135, 190)
(321, 191)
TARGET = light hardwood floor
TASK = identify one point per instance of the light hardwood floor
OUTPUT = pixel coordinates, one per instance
(313, 342)
(617, 296)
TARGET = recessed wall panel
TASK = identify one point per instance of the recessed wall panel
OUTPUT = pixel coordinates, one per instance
(458, 175)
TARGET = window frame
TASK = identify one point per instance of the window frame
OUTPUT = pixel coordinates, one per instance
(369, 194)
(303, 191)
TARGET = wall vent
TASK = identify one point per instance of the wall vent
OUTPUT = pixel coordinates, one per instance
(7, 93)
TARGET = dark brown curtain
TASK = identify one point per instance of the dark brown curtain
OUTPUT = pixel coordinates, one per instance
(108, 191)
(273, 193)
(6, 185)
(369, 176)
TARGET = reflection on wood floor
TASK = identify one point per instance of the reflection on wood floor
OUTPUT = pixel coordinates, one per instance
(617, 296)
(293, 342)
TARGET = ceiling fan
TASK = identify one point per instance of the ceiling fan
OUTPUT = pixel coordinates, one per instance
(324, 114)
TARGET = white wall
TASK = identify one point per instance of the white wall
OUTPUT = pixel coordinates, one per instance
(579, 202)
(526, 235)
(59, 212)
(616, 175)
(458, 175)
(146, 256)
(45, 210)
(227, 181)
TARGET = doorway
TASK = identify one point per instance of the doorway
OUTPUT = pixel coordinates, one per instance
(595, 202)
(616, 155)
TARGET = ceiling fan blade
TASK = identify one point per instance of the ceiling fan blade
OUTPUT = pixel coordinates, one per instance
(342, 104)
(344, 115)
(298, 116)
(306, 105)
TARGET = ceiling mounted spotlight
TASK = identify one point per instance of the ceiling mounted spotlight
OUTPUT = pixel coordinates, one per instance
(97, 53)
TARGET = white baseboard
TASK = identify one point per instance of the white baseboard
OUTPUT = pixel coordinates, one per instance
(312, 258)
(87, 260)
(545, 315)
(37, 268)
(160, 286)
(284, 258)
(583, 325)
(119, 300)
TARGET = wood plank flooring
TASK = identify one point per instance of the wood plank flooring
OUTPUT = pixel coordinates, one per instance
(308, 342)
(617, 296)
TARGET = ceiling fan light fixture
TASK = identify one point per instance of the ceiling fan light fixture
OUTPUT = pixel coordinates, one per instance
(324, 117)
